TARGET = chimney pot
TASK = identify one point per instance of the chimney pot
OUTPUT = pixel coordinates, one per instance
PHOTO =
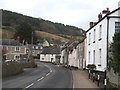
(26, 43)
(106, 11)
(91, 24)
(99, 16)
(18, 39)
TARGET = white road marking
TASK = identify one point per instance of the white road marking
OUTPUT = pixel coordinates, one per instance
(50, 70)
(47, 74)
(30, 85)
(40, 79)
(73, 83)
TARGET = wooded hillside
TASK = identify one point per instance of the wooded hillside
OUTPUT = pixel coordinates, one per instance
(13, 19)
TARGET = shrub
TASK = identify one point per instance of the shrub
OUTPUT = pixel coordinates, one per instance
(30, 64)
(11, 68)
(91, 66)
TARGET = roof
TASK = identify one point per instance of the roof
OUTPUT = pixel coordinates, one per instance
(9, 42)
(103, 18)
(51, 51)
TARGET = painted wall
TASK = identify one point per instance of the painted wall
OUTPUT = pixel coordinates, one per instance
(47, 57)
(100, 44)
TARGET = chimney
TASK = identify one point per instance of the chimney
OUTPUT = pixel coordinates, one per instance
(26, 43)
(91, 24)
(99, 17)
(94, 23)
(107, 11)
(18, 39)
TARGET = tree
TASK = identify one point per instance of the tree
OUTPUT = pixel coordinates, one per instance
(24, 31)
(115, 61)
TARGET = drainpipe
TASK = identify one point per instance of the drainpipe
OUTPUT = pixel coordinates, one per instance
(105, 80)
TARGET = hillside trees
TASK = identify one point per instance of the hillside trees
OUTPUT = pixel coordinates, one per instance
(14, 19)
(25, 32)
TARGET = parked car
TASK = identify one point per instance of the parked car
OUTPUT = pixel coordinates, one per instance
(9, 60)
(24, 60)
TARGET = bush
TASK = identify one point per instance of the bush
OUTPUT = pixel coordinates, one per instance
(91, 66)
(11, 68)
(30, 64)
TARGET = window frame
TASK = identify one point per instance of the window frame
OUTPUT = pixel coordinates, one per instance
(100, 32)
(17, 49)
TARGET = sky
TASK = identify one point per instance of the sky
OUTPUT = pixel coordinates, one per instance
(69, 12)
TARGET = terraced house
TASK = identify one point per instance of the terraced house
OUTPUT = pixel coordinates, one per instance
(50, 54)
(13, 50)
(100, 36)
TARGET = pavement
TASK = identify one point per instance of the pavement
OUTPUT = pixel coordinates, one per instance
(81, 80)
(46, 75)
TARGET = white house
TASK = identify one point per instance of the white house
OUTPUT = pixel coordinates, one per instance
(73, 54)
(76, 54)
(99, 36)
(50, 55)
(72, 57)
(63, 58)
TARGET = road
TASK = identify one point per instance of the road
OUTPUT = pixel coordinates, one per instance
(46, 75)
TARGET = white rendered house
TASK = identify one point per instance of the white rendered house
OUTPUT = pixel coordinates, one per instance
(99, 36)
(50, 55)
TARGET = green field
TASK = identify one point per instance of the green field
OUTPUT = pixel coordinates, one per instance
(7, 34)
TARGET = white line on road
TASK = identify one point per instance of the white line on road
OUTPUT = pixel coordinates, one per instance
(47, 74)
(40, 79)
(50, 70)
(30, 85)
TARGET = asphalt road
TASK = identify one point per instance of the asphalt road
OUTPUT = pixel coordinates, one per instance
(46, 75)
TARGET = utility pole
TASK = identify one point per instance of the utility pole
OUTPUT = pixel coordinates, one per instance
(32, 39)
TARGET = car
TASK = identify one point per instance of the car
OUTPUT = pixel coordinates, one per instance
(9, 60)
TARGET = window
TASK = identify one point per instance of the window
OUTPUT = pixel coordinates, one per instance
(17, 57)
(17, 48)
(89, 38)
(100, 56)
(94, 36)
(89, 57)
(52, 59)
(36, 47)
(100, 32)
(117, 26)
(94, 57)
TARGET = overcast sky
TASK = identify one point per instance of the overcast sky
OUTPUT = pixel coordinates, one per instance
(69, 12)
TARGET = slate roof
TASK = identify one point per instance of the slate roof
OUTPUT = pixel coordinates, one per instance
(51, 51)
(9, 42)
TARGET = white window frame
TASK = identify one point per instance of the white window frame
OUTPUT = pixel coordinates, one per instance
(17, 49)
(89, 39)
(100, 55)
(89, 56)
(94, 57)
(16, 58)
(117, 27)
(94, 36)
(100, 32)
